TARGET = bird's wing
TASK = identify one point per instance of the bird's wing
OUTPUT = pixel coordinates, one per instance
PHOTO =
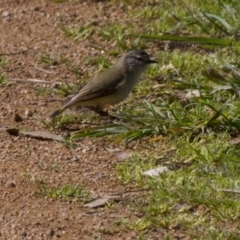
(96, 90)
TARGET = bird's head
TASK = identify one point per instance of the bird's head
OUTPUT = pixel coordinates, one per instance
(136, 60)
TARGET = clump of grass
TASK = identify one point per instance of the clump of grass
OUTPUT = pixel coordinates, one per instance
(78, 32)
(44, 91)
(66, 192)
(3, 79)
(48, 60)
(121, 33)
(3, 62)
(46, 167)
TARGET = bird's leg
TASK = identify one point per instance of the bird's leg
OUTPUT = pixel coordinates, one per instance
(106, 114)
(103, 113)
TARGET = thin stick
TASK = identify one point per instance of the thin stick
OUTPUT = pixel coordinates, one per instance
(14, 53)
(29, 80)
(230, 191)
(43, 70)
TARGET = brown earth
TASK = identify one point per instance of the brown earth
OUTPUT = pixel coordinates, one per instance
(30, 30)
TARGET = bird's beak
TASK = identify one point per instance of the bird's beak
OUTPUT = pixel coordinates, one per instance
(152, 61)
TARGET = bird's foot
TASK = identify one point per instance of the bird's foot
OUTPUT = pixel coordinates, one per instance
(107, 115)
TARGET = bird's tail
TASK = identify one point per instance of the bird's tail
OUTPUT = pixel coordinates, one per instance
(55, 113)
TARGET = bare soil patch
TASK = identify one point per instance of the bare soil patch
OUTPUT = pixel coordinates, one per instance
(29, 30)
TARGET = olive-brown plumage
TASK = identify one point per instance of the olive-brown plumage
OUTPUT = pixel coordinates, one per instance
(112, 85)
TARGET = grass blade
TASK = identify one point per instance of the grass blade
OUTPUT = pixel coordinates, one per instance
(199, 40)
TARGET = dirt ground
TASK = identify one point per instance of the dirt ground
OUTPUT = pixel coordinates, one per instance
(30, 30)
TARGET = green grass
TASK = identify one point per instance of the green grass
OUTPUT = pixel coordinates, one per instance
(78, 32)
(3, 80)
(66, 192)
(3, 62)
(192, 194)
(185, 115)
(49, 60)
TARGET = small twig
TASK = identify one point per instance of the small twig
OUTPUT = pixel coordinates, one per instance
(29, 80)
(53, 100)
(229, 191)
(129, 191)
(43, 70)
(14, 53)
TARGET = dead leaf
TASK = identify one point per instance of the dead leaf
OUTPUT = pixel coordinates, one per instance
(192, 94)
(100, 202)
(155, 172)
(42, 135)
(123, 155)
(112, 150)
(235, 141)
(181, 207)
(36, 134)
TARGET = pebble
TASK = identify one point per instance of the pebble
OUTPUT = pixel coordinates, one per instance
(10, 184)
(75, 159)
(17, 118)
(28, 113)
(56, 85)
(36, 8)
(50, 232)
(24, 233)
(66, 134)
(6, 14)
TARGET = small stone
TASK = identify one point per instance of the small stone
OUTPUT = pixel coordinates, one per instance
(10, 84)
(75, 159)
(56, 85)
(50, 232)
(36, 8)
(28, 113)
(10, 184)
(66, 134)
(24, 233)
(17, 118)
(6, 14)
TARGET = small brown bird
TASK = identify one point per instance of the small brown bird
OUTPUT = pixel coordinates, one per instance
(111, 86)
